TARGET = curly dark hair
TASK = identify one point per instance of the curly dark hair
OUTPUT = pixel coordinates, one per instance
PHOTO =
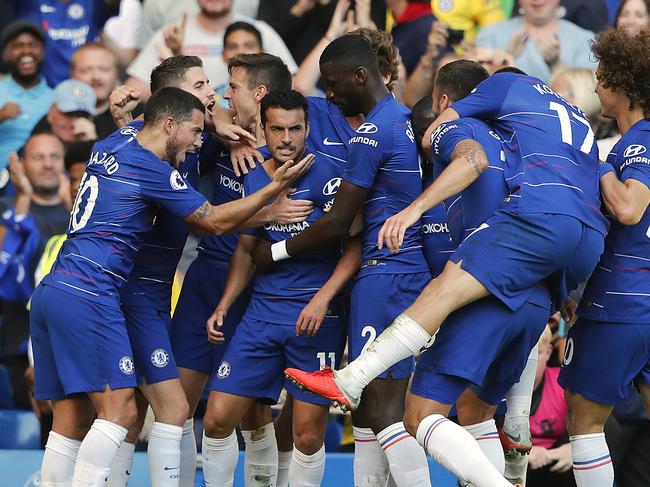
(387, 55)
(625, 64)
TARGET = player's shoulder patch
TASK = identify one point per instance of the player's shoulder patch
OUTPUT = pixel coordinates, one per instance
(176, 181)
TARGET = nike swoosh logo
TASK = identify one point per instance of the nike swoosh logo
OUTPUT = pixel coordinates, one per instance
(128, 473)
(329, 142)
(516, 439)
(170, 468)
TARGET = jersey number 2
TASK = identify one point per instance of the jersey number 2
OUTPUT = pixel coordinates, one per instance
(88, 191)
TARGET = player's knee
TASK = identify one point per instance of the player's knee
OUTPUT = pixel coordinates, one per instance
(216, 426)
(173, 411)
(308, 439)
(412, 420)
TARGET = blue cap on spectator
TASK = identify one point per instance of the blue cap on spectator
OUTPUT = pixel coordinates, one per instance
(72, 95)
(18, 27)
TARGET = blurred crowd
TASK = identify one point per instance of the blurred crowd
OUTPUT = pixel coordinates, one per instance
(62, 59)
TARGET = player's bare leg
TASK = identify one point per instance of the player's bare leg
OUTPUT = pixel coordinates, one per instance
(73, 418)
(381, 411)
(170, 408)
(284, 438)
(193, 383)
(477, 417)
(261, 463)
(645, 395)
(592, 465)
(220, 451)
(409, 333)
(116, 413)
(450, 444)
(308, 461)
(123, 461)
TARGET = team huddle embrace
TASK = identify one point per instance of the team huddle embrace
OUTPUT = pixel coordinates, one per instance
(321, 232)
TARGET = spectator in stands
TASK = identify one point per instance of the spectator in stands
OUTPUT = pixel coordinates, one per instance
(592, 15)
(200, 35)
(120, 33)
(540, 42)
(38, 209)
(97, 66)
(550, 461)
(413, 19)
(24, 94)
(633, 15)
(239, 38)
(66, 27)
(156, 14)
(71, 115)
(468, 15)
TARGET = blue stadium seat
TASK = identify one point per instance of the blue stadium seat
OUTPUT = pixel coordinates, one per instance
(20, 430)
(6, 391)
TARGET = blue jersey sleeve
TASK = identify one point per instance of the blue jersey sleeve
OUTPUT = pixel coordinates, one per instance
(166, 187)
(636, 165)
(366, 152)
(486, 100)
(445, 139)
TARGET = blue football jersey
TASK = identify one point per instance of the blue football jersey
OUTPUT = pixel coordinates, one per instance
(227, 187)
(467, 210)
(329, 130)
(619, 288)
(150, 281)
(552, 158)
(383, 158)
(436, 240)
(280, 296)
(121, 192)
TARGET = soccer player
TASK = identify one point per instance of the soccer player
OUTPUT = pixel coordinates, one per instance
(608, 348)
(252, 76)
(381, 176)
(83, 359)
(549, 226)
(294, 316)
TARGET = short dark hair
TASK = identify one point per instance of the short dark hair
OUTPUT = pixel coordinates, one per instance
(235, 26)
(263, 69)
(171, 72)
(171, 102)
(78, 152)
(458, 78)
(421, 118)
(510, 69)
(287, 100)
(623, 64)
(350, 52)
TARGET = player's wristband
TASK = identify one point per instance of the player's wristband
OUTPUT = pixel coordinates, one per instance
(605, 168)
(279, 251)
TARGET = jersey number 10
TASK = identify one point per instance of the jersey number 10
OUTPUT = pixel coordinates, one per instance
(88, 188)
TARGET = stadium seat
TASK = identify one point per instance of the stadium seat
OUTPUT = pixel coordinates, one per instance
(6, 391)
(20, 430)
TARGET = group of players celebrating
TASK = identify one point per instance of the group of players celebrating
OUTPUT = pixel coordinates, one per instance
(334, 198)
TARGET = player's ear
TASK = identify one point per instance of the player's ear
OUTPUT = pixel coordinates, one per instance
(169, 124)
(445, 102)
(260, 92)
(307, 127)
(360, 75)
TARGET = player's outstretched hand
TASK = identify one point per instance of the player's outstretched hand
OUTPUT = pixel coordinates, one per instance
(214, 324)
(285, 210)
(312, 316)
(122, 102)
(393, 230)
(234, 133)
(262, 257)
(244, 157)
(288, 172)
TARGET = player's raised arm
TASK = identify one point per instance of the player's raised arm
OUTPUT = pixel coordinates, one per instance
(228, 217)
(468, 162)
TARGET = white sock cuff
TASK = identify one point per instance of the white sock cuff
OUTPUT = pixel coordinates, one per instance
(63, 445)
(259, 436)
(115, 432)
(219, 444)
(363, 434)
(309, 461)
(583, 438)
(392, 434)
(284, 457)
(484, 429)
(427, 426)
(409, 333)
(188, 426)
(127, 447)
(166, 431)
